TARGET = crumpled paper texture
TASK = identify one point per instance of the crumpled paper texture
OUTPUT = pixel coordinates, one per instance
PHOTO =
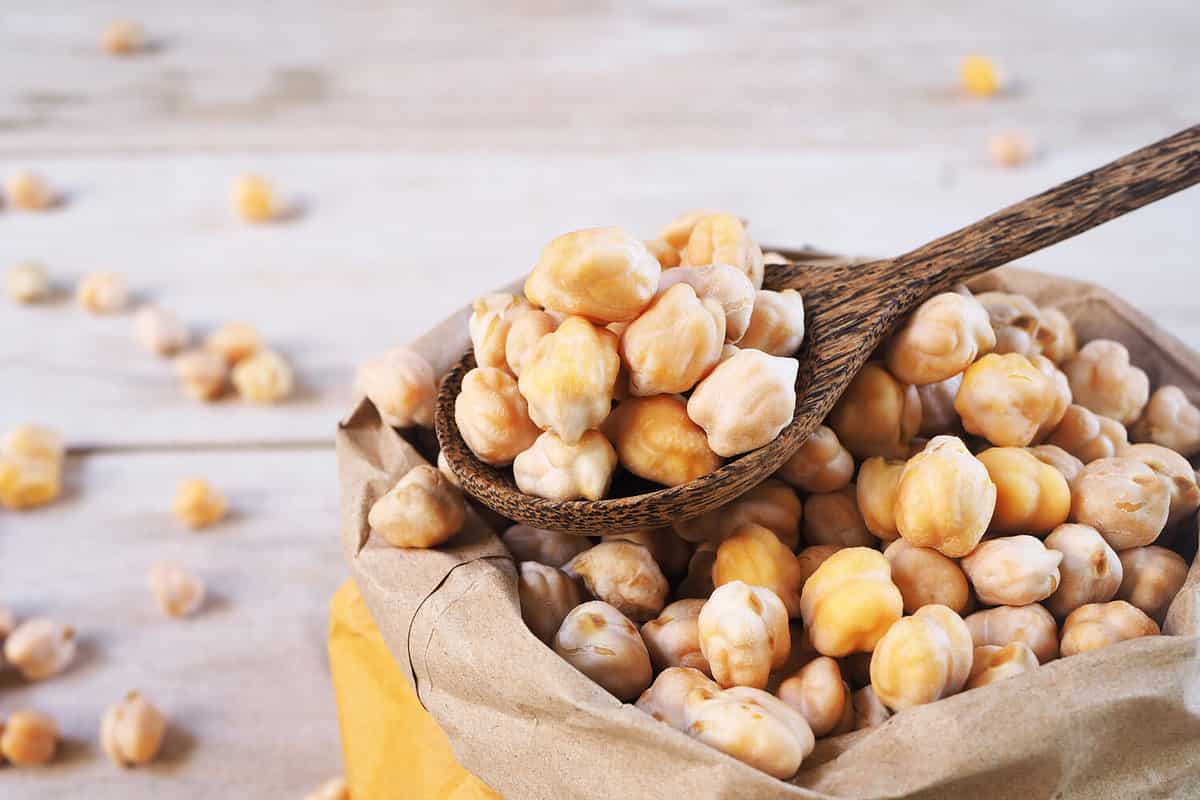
(1116, 723)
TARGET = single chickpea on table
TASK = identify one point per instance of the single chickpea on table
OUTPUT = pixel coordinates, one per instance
(27, 282)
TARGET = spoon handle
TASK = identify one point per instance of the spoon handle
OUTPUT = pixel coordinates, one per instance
(1082, 203)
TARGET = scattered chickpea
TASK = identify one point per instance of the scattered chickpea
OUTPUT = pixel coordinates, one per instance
(1176, 473)
(938, 415)
(772, 504)
(551, 468)
(878, 415)
(1055, 337)
(492, 317)
(27, 483)
(1067, 465)
(526, 331)
(1098, 625)
(547, 595)
(332, 789)
(234, 342)
(35, 442)
(727, 286)
(27, 282)
(668, 256)
(721, 404)
(722, 239)
(28, 191)
(552, 548)
(179, 593)
(493, 417)
(28, 738)
(656, 440)
(603, 274)
(666, 699)
(945, 498)
(400, 384)
(39, 648)
(254, 199)
(820, 465)
(1123, 499)
(1010, 148)
(992, 663)
(776, 323)
(1032, 625)
(979, 76)
(940, 339)
(675, 342)
(265, 377)
(1170, 419)
(926, 577)
(1005, 399)
(1088, 436)
(102, 292)
(1103, 380)
(1151, 577)
(1013, 570)
(868, 710)
(834, 518)
(1090, 569)
(599, 641)
(423, 509)
(202, 373)
(1031, 496)
(625, 576)
(159, 331)
(818, 692)
(197, 504)
(1015, 319)
(755, 556)
(132, 731)
(922, 658)
(744, 634)
(123, 38)
(751, 725)
(850, 602)
(673, 637)
(878, 482)
(568, 379)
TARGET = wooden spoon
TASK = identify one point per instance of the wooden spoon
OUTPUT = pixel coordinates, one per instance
(849, 309)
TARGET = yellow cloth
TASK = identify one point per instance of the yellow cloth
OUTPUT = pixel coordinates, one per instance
(393, 749)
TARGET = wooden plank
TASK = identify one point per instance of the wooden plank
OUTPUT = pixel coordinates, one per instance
(582, 78)
(245, 681)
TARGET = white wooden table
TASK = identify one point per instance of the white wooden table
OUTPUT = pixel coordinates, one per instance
(434, 151)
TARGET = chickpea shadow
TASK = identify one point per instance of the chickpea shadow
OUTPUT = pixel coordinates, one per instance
(72, 751)
(293, 210)
(216, 603)
(177, 746)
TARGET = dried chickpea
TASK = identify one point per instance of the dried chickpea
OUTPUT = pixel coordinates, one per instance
(254, 199)
(1062, 394)
(1013, 570)
(159, 331)
(599, 641)
(722, 239)
(776, 323)
(656, 440)
(772, 504)
(1103, 380)
(834, 518)
(666, 699)
(850, 601)
(820, 465)
(818, 692)
(673, 637)
(922, 658)
(265, 377)
(1151, 578)
(727, 286)
(744, 634)
(1175, 472)
(941, 339)
(1031, 496)
(1015, 321)
(568, 379)
(945, 498)
(526, 330)
(869, 711)
(1067, 465)
(202, 374)
(27, 483)
(39, 648)
(877, 415)
(234, 341)
(178, 592)
(1055, 336)
(491, 320)
(400, 385)
(938, 415)
(677, 232)
(551, 468)
(423, 509)
(102, 292)
(979, 76)
(552, 548)
(668, 256)
(1010, 148)
(745, 402)
(132, 731)
(35, 442)
(1005, 399)
(698, 583)
(1123, 499)
(123, 37)
(1088, 436)
(1170, 419)
(752, 726)
(493, 417)
(812, 557)
(28, 191)
(332, 789)
(28, 738)
(625, 576)
(197, 504)
(1032, 625)
(603, 274)
(675, 342)
(926, 577)
(27, 283)
(547, 595)
(992, 663)
(878, 482)
(671, 553)
(755, 556)
(1090, 569)
(1098, 625)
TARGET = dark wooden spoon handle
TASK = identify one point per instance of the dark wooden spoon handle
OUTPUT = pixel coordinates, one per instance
(1082, 203)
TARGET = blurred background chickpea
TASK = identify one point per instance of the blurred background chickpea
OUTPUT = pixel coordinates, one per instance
(926, 577)
(748, 379)
(1103, 380)
(820, 465)
(673, 637)
(666, 699)
(1151, 578)
(560, 471)
(28, 738)
(603, 274)
(27, 282)
(1005, 399)
(27, 483)
(28, 191)
(878, 482)
(493, 417)
(755, 556)
(1088, 436)
(423, 509)
(655, 439)
(159, 331)
(877, 415)
(850, 602)
(1098, 625)
(552, 548)
(123, 37)
(568, 379)
(940, 339)
(234, 341)
(197, 504)
(818, 692)
(674, 343)
(132, 731)
(265, 377)
(1012, 570)
(723, 284)
(922, 658)
(1031, 496)
(332, 789)
(938, 415)
(1090, 570)
(772, 504)
(603, 644)
(34, 441)
(1170, 419)
(1055, 337)
(178, 592)
(945, 498)
(1032, 625)
(625, 576)
(722, 239)
(40, 648)
(547, 595)
(776, 323)
(744, 634)
(254, 199)
(202, 373)
(834, 518)
(103, 292)
(400, 384)
(1123, 499)
(1015, 321)
(992, 663)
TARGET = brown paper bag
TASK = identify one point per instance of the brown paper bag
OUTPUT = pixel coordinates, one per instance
(1119, 722)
